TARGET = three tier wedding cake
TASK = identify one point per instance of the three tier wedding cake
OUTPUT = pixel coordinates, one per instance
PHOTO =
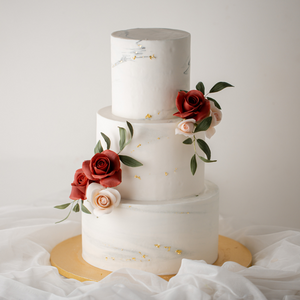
(145, 202)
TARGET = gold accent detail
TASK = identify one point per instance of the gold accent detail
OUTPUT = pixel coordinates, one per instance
(138, 177)
(157, 245)
(144, 256)
(132, 151)
(139, 145)
(140, 253)
(175, 170)
(158, 113)
(134, 57)
(134, 258)
(129, 206)
(148, 116)
(158, 138)
(113, 258)
(187, 213)
(169, 248)
(139, 45)
(178, 252)
(166, 173)
(152, 56)
(106, 258)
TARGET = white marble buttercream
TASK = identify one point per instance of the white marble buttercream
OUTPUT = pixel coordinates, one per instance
(165, 173)
(153, 236)
(149, 67)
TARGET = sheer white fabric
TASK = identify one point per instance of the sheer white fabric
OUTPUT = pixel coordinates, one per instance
(28, 233)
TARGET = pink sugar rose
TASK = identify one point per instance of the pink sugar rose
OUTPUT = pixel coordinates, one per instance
(186, 127)
(102, 200)
(216, 115)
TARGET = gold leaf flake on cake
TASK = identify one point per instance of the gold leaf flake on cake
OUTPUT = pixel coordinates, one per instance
(113, 258)
(187, 213)
(138, 177)
(129, 206)
(152, 56)
(175, 170)
(133, 258)
(167, 247)
(157, 245)
(139, 145)
(148, 116)
(106, 258)
(178, 252)
(134, 57)
(144, 256)
(132, 151)
(158, 138)
(166, 173)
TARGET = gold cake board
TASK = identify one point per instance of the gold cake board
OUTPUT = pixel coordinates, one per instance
(67, 258)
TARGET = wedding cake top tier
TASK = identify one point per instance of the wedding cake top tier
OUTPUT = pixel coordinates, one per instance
(149, 68)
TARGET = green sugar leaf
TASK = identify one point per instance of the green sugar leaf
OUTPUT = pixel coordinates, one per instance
(203, 125)
(206, 160)
(204, 147)
(219, 87)
(76, 208)
(193, 164)
(129, 161)
(98, 148)
(84, 209)
(122, 132)
(130, 129)
(63, 206)
(188, 141)
(200, 87)
(215, 102)
(107, 140)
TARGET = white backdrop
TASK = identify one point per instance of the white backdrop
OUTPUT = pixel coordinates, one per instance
(55, 75)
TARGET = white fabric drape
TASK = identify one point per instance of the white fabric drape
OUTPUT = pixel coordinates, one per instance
(28, 233)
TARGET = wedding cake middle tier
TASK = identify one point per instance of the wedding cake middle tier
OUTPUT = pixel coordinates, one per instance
(165, 174)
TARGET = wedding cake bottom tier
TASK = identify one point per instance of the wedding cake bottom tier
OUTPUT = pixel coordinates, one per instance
(153, 236)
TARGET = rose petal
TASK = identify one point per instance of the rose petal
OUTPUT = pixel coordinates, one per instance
(86, 169)
(116, 194)
(114, 159)
(110, 195)
(185, 121)
(210, 132)
(185, 115)
(113, 180)
(92, 189)
(180, 100)
(76, 194)
(191, 102)
(205, 111)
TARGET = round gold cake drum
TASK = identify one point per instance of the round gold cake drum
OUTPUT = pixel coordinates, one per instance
(67, 258)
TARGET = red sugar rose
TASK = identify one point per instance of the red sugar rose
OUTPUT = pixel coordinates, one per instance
(104, 168)
(192, 105)
(79, 186)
